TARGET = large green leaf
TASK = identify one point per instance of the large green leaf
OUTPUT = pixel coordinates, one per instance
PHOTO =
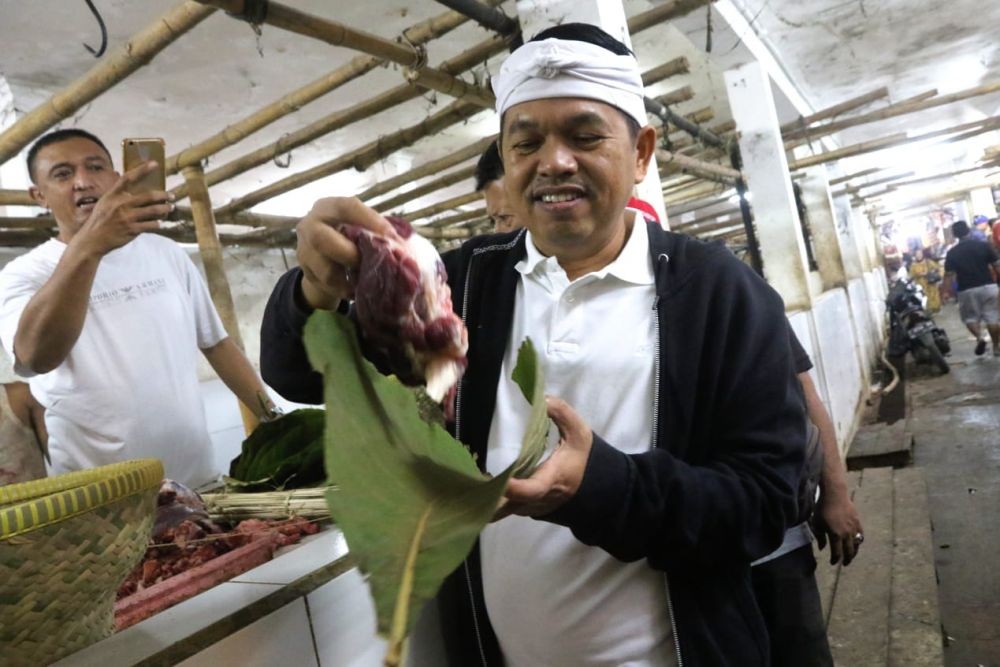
(408, 497)
(286, 453)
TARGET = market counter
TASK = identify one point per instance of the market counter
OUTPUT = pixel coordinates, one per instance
(307, 606)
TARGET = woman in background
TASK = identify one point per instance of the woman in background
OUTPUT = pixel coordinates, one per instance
(927, 273)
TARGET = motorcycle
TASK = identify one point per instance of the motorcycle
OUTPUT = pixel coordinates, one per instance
(911, 327)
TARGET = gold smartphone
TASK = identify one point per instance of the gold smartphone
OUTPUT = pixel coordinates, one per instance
(139, 151)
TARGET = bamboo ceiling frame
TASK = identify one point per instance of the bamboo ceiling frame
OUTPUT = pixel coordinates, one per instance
(365, 110)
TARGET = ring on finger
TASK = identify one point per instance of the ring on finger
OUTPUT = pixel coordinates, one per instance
(859, 538)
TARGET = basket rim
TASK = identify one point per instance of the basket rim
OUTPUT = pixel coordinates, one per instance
(32, 505)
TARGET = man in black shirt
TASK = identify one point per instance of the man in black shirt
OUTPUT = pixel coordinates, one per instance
(969, 262)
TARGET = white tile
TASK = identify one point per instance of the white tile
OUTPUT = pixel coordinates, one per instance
(168, 627)
(280, 638)
(312, 553)
(343, 619)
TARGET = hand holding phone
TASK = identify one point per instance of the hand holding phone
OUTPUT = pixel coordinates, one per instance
(136, 152)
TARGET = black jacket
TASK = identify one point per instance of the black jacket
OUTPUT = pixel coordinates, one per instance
(717, 491)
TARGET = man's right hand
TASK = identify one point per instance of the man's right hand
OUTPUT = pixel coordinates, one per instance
(325, 255)
(118, 217)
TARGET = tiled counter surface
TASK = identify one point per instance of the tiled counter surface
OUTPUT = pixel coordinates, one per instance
(332, 625)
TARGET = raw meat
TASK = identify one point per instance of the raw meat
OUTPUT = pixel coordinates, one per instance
(184, 537)
(403, 305)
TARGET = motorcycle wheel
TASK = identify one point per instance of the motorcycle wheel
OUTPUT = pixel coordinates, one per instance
(937, 358)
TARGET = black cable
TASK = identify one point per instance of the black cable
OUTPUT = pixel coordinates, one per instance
(104, 32)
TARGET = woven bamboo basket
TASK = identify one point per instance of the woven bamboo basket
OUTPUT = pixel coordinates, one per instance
(66, 544)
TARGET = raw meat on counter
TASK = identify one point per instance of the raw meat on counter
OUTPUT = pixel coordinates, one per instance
(185, 537)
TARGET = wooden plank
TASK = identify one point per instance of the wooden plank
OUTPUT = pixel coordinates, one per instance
(880, 445)
(915, 637)
(859, 621)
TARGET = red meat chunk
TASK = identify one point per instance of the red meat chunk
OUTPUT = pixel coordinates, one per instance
(403, 305)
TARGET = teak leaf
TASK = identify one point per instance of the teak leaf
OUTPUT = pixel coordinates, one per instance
(409, 497)
(529, 378)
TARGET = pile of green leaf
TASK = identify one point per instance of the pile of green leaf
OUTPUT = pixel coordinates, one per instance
(408, 497)
(286, 453)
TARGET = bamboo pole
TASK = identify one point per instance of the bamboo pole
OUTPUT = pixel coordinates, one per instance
(444, 206)
(363, 157)
(709, 221)
(870, 184)
(339, 119)
(433, 167)
(894, 110)
(857, 174)
(691, 165)
(663, 12)
(116, 66)
(210, 249)
(837, 109)
(789, 144)
(443, 233)
(938, 177)
(39, 223)
(666, 70)
(417, 34)
(676, 96)
(899, 139)
(447, 221)
(16, 198)
(431, 186)
(338, 34)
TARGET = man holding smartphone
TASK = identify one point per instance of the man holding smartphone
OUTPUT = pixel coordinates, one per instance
(105, 320)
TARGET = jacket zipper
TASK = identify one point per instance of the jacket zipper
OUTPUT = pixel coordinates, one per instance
(656, 424)
(458, 435)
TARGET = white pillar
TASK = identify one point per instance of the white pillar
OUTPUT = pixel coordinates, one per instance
(823, 225)
(609, 16)
(981, 203)
(850, 250)
(766, 170)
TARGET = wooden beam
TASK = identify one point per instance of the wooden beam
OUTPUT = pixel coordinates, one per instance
(362, 111)
(857, 174)
(664, 12)
(417, 34)
(443, 207)
(210, 249)
(666, 70)
(339, 34)
(431, 186)
(837, 109)
(899, 139)
(697, 167)
(16, 198)
(363, 157)
(433, 167)
(447, 221)
(676, 96)
(114, 67)
(892, 111)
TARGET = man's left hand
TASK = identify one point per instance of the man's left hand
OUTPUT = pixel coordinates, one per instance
(837, 520)
(558, 478)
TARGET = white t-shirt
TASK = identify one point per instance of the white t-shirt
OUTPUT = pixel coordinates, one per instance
(551, 599)
(129, 387)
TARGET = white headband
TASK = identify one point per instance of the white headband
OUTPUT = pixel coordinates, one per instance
(569, 68)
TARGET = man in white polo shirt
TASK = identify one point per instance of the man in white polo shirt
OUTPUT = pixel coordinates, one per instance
(667, 366)
(107, 321)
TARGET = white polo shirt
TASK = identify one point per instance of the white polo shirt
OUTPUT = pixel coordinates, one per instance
(551, 599)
